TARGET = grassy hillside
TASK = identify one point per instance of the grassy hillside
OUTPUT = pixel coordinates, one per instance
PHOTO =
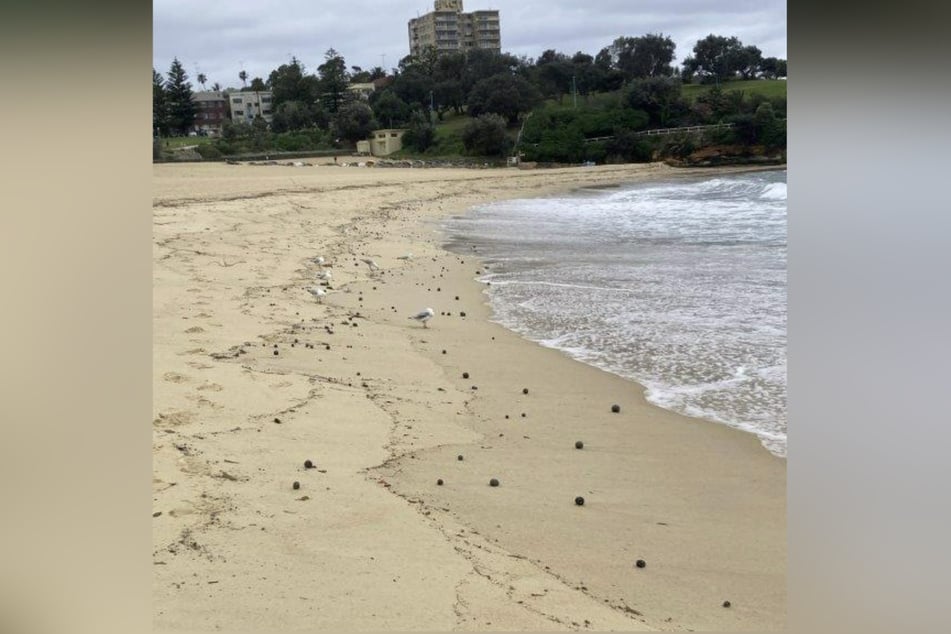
(766, 87)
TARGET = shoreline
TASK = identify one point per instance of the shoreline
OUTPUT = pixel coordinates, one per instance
(383, 411)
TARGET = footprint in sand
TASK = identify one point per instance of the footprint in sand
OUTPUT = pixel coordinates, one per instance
(214, 387)
(195, 329)
(174, 377)
(173, 419)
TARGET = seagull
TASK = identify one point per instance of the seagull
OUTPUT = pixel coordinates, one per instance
(324, 275)
(318, 292)
(405, 257)
(373, 265)
(424, 316)
(319, 260)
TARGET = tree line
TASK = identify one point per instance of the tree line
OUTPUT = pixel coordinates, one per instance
(497, 89)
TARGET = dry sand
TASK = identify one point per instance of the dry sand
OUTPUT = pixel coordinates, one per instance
(369, 541)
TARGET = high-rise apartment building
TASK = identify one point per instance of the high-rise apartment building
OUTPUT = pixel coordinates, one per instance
(447, 29)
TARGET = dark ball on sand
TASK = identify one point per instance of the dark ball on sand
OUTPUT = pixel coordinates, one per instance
(524, 390)
(579, 501)
(439, 482)
(276, 353)
(308, 464)
(493, 482)
(579, 445)
(444, 352)
(616, 408)
(465, 375)
(459, 457)
(727, 604)
(296, 485)
(641, 563)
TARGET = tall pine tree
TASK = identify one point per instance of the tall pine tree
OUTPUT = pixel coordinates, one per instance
(178, 98)
(334, 81)
(159, 105)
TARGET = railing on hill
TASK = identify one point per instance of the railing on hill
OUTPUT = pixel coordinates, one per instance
(666, 131)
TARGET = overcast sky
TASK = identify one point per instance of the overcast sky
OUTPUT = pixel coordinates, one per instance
(221, 37)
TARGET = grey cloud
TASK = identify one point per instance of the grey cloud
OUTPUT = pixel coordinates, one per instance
(220, 38)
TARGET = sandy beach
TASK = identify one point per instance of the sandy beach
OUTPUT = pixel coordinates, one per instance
(252, 376)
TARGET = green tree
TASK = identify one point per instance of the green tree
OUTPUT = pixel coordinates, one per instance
(159, 106)
(260, 136)
(504, 94)
(334, 81)
(389, 109)
(421, 135)
(715, 57)
(257, 85)
(645, 56)
(354, 121)
(770, 131)
(486, 135)
(178, 98)
(747, 61)
(553, 74)
(202, 78)
(293, 115)
(414, 87)
(659, 97)
(483, 63)
(448, 90)
(772, 67)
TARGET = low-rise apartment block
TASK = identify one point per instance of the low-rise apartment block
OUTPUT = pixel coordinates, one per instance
(247, 105)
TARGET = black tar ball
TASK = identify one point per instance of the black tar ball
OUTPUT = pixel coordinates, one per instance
(296, 485)
(462, 314)
(727, 604)
(493, 482)
(439, 481)
(459, 457)
(465, 375)
(308, 464)
(615, 408)
(579, 445)
(525, 390)
(444, 352)
(579, 501)
(641, 563)
(276, 353)
(457, 297)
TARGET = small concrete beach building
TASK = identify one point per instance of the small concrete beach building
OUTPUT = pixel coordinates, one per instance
(382, 142)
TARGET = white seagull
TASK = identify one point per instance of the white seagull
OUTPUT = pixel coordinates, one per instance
(373, 265)
(324, 275)
(319, 260)
(424, 316)
(318, 292)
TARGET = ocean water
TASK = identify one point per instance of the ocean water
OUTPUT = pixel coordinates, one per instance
(679, 285)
